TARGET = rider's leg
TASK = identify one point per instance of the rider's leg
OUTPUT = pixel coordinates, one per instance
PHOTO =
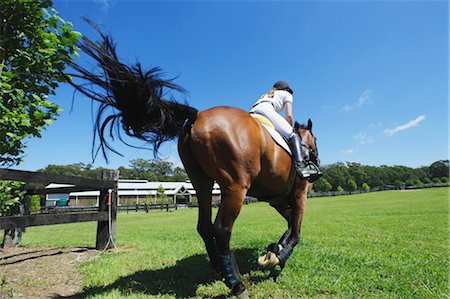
(305, 169)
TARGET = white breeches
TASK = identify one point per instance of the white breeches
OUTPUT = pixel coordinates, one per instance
(280, 123)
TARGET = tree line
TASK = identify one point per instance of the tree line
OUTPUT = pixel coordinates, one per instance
(138, 169)
(351, 176)
(340, 176)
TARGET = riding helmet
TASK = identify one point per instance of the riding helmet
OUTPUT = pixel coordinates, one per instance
(283, 85)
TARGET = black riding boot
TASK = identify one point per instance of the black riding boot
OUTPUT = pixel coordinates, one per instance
(305, 168)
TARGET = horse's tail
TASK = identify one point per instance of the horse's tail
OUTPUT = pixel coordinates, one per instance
(130, 98)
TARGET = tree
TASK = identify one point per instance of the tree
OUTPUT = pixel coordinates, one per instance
(161, 194)
(322, 185)
(10, 194)
(436, 181)
(427, 181)
(413, 183)
(179, 175)
(365, 187)
(439, 169)
(351, 184)
(35, 47)
(156, 170)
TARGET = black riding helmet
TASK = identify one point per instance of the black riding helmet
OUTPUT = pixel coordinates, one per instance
(283, 85)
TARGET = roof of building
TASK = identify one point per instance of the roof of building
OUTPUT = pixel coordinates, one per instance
(145, 188)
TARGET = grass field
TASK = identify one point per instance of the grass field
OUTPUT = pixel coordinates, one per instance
(389, 244)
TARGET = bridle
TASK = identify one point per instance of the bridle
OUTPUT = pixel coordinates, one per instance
(313, 153)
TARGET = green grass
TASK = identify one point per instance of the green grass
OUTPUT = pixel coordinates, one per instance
(382, 245)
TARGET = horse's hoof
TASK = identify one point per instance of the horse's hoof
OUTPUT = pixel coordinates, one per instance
(240, 291)
(244, 295)
(268, 259)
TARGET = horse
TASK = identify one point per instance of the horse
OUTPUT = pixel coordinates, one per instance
(222, 144)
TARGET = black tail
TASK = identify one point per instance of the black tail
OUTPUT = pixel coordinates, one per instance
(130, 98)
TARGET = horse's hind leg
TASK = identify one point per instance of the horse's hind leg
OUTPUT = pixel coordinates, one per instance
(203, 185)
(204, 226)
(229, 209)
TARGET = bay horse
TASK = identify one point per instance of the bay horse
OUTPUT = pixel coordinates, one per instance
(222, 144)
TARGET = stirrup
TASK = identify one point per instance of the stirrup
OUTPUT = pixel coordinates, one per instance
(308, 171)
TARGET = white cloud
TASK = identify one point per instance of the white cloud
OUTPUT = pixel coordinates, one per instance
(406, 126)
(375, 125)
(327, 107)
(362, 138)
(364, 98)
(105, 4)
(348, 151)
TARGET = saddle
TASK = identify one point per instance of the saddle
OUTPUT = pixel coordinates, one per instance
(268, 125)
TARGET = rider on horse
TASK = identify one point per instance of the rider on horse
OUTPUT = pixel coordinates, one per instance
(270, 105)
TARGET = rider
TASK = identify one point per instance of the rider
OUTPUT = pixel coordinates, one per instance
(270, 105)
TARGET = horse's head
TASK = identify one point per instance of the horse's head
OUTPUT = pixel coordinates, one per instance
(308, 141)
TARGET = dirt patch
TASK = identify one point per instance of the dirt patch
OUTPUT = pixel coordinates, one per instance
(42, 272)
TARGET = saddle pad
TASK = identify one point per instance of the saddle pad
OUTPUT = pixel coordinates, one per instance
(267, 124)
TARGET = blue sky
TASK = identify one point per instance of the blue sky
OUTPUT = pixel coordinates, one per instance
(373, 76)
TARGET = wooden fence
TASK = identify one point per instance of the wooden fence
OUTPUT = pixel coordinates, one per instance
(105, 214)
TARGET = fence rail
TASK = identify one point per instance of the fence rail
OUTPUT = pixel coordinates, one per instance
(105, 214)
(10, 222)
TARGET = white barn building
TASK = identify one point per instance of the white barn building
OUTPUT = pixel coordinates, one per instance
(137, 192)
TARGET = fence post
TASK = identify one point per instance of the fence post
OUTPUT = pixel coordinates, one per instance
(12, 236)
(106, 236)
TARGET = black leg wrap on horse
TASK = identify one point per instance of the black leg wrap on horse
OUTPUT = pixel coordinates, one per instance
(231, 275)
(284, 239)
(284, 254)
(275, 248)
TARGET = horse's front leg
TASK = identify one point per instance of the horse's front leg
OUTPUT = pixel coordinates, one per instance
(279, 253)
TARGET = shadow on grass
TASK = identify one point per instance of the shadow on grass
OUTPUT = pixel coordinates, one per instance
(180, 280)
(38, 254)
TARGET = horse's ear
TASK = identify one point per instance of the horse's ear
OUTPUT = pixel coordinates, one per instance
(309, 127)
(296, 126)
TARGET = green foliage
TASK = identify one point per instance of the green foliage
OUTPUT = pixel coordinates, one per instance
(427, 181)
(10, 194)
(351, 185)
(154, 170)
(398, 184)
(365, 187)
(35, 47)
(444, 180)
(439, 169)
(338, 174)
(413, 183)
(35, 203)
(161, 194)
(76, 169)
(436, 180)
(340, 189)
(141, 169)
(322, 185)
(388, 238)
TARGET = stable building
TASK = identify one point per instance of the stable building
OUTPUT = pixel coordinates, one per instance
(132, 192)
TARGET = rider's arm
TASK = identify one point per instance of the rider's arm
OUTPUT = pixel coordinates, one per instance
(288, 108)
